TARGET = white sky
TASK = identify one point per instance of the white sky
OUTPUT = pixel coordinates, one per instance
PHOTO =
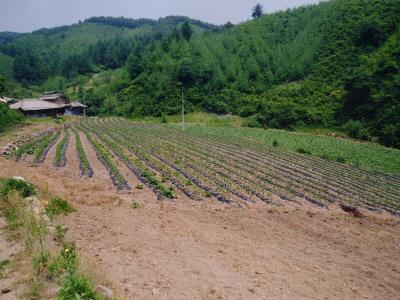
(28, 15)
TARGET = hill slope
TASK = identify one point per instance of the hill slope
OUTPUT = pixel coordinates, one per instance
(43, 53)
(324, 65)
(327, 65)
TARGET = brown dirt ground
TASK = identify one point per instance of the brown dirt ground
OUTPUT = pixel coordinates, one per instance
(205, 250)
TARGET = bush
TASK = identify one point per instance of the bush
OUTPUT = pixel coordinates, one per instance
(275, 143)
(9, 117)
(341, 159)
(22, 187)
(303, 151)
(75, 286)
(57, 207)
(252, 122)
(355, 130)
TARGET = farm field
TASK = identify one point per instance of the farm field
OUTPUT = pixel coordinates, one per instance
(214, 213)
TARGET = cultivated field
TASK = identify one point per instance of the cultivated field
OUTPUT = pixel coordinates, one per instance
(225, 168)
(208, 213)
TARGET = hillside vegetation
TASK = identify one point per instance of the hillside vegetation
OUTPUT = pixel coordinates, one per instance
(335, 64)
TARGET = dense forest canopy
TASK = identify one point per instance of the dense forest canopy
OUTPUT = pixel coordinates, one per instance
(327, 65)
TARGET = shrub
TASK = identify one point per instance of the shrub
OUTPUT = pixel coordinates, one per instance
(355, 129)
(340, 159)
(303, 151)
(163, 118)
(275, 143)
(58, 206)
(75, 286)
(22, 187)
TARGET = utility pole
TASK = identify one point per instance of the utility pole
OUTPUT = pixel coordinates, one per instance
(183, 113)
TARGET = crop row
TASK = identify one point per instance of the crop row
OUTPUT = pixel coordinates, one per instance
(243, 169)
(104, 155)
(44, 146)
(84, 164)
(61, 149)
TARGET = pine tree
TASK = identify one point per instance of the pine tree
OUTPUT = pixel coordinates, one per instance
(257, 11)
(187, 31)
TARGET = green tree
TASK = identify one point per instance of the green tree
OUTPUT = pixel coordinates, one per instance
(257, 11)
(2, 85)
(187, 31)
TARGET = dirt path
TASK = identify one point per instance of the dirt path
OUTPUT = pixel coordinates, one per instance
(183, 251)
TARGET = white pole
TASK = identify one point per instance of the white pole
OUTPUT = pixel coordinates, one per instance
(183, 113)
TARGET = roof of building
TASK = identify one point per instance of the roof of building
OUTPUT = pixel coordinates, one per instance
(33, 104)
(51, 96)
(77, 104)
(7, 99)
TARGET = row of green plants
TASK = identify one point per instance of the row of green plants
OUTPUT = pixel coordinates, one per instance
(240, 167)
(140, 168)
(106, 158)
(42, 149)
(83, 160)
(61, 149)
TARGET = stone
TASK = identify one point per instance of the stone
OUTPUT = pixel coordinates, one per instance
(105, 292)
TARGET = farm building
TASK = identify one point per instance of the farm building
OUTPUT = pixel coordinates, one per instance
(75, 109)
(38, 108)
(49, 104)
(55, 97)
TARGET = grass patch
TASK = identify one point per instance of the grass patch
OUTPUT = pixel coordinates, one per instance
(23, 188)
(58, 206)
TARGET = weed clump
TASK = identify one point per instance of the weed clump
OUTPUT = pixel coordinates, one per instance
(58, 206)
(23, 188)
(275, 143)
(75, 286)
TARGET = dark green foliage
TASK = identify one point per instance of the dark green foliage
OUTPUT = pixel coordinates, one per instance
(340, 159)
(77, 287)
(275, 143)
(187, 31)
(335, 64)
(303, 151)
(58, 206)
(8, 185)
(9, 117)
(257, 11)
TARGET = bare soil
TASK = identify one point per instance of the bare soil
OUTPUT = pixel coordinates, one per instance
(207, 250)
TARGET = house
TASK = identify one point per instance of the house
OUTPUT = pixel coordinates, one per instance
(38, 108)
(75, 109)
(8, 100)
(55, 97)
(49, 104)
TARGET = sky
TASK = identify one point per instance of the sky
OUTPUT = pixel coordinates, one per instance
(28, 15)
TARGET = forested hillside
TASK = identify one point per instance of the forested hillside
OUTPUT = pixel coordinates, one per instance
(335, 64)
(76, 49)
